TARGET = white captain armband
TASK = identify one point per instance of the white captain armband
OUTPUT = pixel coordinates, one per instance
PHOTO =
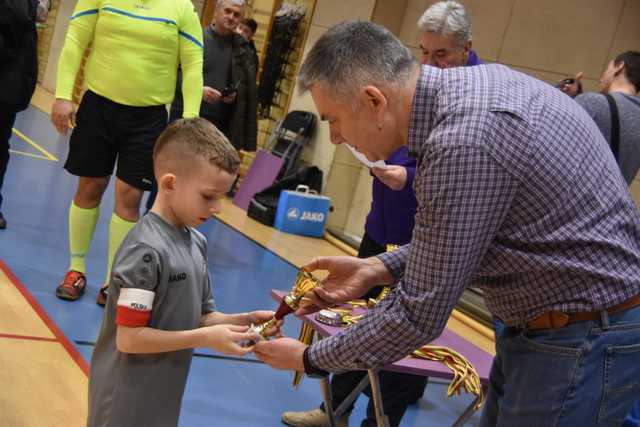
(134, 307)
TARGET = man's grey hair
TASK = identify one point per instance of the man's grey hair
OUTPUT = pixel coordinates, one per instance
(448, 18)
(354, 54)
(240, 3)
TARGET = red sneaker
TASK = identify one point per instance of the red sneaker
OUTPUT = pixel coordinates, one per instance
(72, 286)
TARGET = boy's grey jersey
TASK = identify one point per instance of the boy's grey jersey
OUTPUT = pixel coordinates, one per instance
(629, 112)
(146, 389)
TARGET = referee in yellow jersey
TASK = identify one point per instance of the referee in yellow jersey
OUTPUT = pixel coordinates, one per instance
(136, 47)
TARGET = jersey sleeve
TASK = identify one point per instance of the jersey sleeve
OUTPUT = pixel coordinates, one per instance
(191, 60)
(81, 27)
(208, 303)
(136, 273)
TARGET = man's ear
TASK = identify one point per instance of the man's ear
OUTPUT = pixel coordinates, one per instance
(619, 68)
(167, 182)
(467, 47)
(374, 100)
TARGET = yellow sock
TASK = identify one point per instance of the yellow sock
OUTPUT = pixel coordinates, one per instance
(82, 223)
(118, 230)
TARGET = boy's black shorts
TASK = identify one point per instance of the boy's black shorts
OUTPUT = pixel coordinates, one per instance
(106, 131)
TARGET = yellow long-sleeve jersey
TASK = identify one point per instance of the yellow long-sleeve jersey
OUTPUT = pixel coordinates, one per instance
(136, 47)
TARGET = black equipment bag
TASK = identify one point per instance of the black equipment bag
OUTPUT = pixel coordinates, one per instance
(264, 204)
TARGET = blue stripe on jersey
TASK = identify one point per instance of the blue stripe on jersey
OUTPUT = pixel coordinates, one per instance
(145, 18)
(86, 12)
(191, 38)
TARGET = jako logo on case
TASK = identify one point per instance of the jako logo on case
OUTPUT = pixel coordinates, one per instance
(312, 216)
(293, 214)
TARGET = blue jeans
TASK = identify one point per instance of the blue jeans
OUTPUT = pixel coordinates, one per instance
(585, 374)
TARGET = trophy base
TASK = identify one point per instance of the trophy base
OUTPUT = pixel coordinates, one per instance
(257, 331)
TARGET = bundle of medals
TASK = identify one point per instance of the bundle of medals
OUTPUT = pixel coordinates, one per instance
(464, 374)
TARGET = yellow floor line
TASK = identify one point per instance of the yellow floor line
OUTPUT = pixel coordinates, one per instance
(37, 156)
(36, 146)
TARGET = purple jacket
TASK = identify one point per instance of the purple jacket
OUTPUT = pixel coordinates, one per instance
(473, 59)
(391, 217)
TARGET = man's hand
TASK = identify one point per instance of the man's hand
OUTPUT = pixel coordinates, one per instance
(281, 353)
(349, 278)
(393, 176)
(63, 115)
(226, 339)
(573, 89)
(230, 99)
(210, 95)
(260, 316)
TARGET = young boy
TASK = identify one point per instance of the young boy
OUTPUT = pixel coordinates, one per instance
(160, 304)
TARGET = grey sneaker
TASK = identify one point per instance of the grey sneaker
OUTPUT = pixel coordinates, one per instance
(313, 418)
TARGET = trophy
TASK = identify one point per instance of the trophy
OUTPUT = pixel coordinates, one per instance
(291, 302)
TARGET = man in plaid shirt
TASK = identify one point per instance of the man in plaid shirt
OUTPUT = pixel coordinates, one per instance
(519, 195)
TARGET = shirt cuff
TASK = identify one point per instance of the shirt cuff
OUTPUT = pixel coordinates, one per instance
(311, 370)
(395, 261)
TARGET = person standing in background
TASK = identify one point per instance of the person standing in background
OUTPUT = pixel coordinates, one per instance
(619, 87)
(229, 98)
(445, 36)
(18, 68)
(616, 111)
(247, 29)
(123, 111)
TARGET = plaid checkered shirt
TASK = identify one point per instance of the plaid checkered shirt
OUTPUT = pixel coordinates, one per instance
(518, 195)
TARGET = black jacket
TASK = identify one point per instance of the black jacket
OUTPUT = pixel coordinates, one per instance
(243, 128)
(244, 121)
(18, 53)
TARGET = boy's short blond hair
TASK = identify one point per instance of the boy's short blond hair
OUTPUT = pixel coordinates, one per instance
(185, 139)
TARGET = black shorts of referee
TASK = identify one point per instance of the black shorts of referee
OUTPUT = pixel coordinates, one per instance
(107, 132)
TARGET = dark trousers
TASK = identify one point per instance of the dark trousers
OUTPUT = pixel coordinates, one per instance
(7, 119)
(398, 390)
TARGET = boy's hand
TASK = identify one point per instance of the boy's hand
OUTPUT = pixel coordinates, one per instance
(226, 339)
(260, 316)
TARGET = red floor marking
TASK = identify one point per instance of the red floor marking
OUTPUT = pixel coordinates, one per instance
(55, 330)
(27, 337)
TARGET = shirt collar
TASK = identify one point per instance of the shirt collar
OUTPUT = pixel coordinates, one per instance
(423, 108)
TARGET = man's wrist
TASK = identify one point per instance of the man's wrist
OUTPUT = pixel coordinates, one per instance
(309, 369)
(378, 273)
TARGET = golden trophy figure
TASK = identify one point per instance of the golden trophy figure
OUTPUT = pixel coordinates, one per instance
(291, 302)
